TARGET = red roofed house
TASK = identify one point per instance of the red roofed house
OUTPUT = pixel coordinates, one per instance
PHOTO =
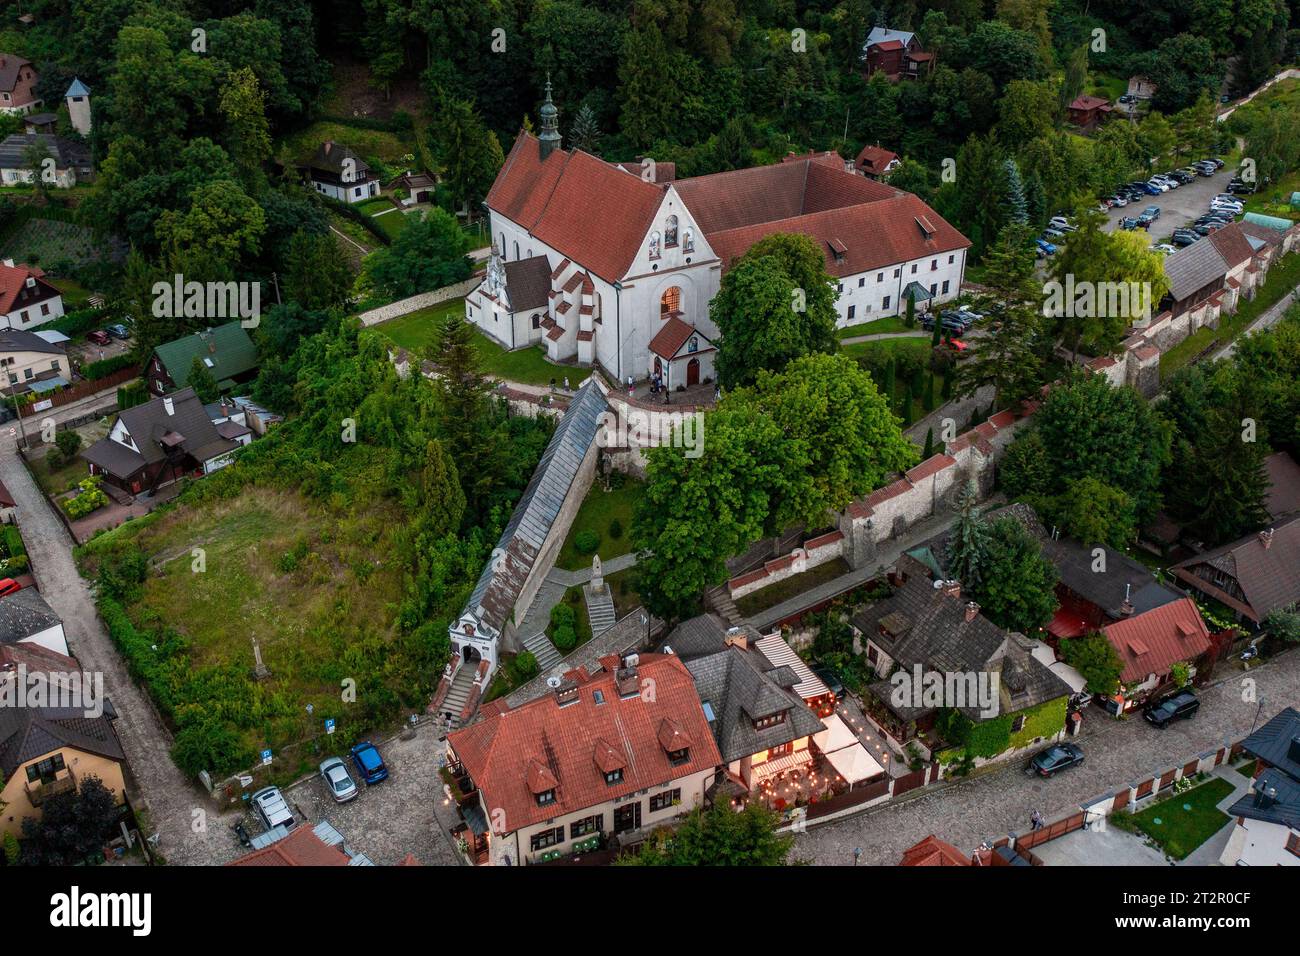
(26, 298)
(1087, 112)
(608, 756)
(896, 53)
(877, 163)
(17, 85)
(1150, 644)
(597, 259)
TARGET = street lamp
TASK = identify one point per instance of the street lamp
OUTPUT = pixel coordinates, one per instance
(1258, 709)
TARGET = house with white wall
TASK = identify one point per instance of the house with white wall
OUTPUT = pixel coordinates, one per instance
(631, 251)
(1268, 817)
(25, 618)
(27, 299)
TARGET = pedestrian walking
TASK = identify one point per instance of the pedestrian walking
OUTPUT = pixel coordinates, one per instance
(1036, 820)
(566, 383)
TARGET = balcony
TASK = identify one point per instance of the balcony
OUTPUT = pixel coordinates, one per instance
(61, 781)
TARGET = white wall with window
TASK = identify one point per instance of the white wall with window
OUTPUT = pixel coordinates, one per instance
(867, 296)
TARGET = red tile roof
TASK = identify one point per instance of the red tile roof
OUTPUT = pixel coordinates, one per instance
(874, 159)
(555, 199)
(934, 852)
(302, 847)
(1152, 642)
(669, 340)
(1088, 103)
(15, 295)
(1232, 245)
(510, 754)
(888, 45)
(878, 234)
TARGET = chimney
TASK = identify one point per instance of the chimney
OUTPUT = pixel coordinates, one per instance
(1266, 538)
(566, 693)
(952, 589)
(212, 346)
(736, 637)
(972, 611)
(1265, 795)
(626, 680)
(1293, 750)
(9, 263)
(1127, 607)
(169, 406)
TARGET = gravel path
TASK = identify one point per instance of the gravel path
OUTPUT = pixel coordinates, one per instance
(175, 806)
(1118, 753)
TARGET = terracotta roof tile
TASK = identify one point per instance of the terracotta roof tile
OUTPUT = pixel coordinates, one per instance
(302, 847)
(671, 337)
(1152, 642)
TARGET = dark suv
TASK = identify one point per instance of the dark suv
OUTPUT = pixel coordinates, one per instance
(1177, 706)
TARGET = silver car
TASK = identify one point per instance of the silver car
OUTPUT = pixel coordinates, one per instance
(272, 808)
(335, 774)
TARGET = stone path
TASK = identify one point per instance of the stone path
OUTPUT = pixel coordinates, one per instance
(174, 804)
(1267, 320)
(913, 334)
(600, 609)
(540, 646)
(992, 804)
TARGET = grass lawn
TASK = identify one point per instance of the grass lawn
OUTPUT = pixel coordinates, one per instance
(920, 348)
(793, 586)
(74, 293)
(623, 588)
(890, 323)
(1282, 278)
(1183, 821)
(372, 206)
(417, 329)
(527, 365)
(59, 480)
(391, 225)
(599, 510)
(1103, 84)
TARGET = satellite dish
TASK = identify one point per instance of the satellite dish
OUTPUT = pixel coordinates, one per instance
(553, 681)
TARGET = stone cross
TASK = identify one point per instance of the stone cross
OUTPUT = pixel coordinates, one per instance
(597, 579)
(260, 670)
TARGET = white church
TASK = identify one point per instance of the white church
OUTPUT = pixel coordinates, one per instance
(615, 265)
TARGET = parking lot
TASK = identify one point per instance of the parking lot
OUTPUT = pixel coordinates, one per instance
(1178, 207)
(386, 821)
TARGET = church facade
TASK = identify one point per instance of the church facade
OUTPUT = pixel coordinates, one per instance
(615, 265)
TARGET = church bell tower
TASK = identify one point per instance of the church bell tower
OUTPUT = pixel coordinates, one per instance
(549, 139)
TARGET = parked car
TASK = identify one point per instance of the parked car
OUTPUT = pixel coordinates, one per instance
(1149, 215)
(365, 757)
(1128, 98)
(1128, 222)
(1184, 176)
(1185, 237)
(98, 336)
(9, 586)
(1155, 187)
(958, 345)
(119, 331)
(1166, 248)
(1118, 200)
(1054, 759)
(1238, 188)
(1052, 235)
(335, 774)
(1205, 169)
(1181, 705)
(1046, 248)
(1166, 180)
(272, 809)
(1060, 222)
(1235, 208)
(1205, 228)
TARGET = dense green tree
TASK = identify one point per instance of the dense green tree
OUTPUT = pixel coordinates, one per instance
(431, 252)
(1015, 587)
(73, 825)
(1097, 660)
(717, 836)
(967, 550)
(203, 382)
(315, 275)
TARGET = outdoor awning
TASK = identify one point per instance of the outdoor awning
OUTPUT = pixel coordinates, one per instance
(48, 384)
(1065, 623)
(918, 291)
(836, 736)
(855, 763)
(771, 768)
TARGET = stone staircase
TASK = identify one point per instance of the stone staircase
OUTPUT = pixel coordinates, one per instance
(454, 702)
(719, 599)
(541, 648)
(600, 609)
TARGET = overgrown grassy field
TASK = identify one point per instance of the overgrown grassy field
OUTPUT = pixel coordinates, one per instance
(388, 147)
(308, 584)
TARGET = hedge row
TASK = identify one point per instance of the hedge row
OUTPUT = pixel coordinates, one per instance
(106, 367)
(360, 218)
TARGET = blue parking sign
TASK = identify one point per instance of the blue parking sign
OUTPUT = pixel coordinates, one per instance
(329, 725)
(266, 756)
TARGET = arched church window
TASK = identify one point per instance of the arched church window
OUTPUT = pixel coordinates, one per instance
(654, 245)
(670, 231)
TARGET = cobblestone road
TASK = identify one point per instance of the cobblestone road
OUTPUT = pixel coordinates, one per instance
(989, 806)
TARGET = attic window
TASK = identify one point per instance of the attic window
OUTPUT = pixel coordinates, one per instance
(546, 798)
(208, 362)
(838, 249)
(1137, 647)
(772, 720)
(614, 776)
(598, 696)
(926, 228)
(679, 757)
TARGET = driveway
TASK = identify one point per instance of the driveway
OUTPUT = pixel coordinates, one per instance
(1178, 207)
(989, 806)
(189, 831)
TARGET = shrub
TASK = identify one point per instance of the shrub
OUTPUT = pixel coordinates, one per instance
(562, 616)
(106, 367)
(615, 529)
(68, 442)
(88, 499)
(525, 664)
(13, 541)
(586, 542)
(564, 638)
(54, 459)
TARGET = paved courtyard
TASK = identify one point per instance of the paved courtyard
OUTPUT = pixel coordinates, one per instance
(1178, 207)
(991, 805)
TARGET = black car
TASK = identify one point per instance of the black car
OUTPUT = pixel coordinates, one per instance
(1185, 237)
(1054, 759)
(1181, 705)
(830, 679)
(1238, 188)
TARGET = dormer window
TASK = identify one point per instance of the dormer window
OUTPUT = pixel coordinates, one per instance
(545, 798)
(670, 232)
(654, 245)
(688, 240)
(772, 720)
(614, 776)
(679, 757)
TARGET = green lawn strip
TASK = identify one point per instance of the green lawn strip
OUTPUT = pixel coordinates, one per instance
(797, 584)
(623, 589)
(372, 206)
(598, 512)
(889, 324)
(392, 224)
(59, 480)
(1282, 278)
(1183, 821)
